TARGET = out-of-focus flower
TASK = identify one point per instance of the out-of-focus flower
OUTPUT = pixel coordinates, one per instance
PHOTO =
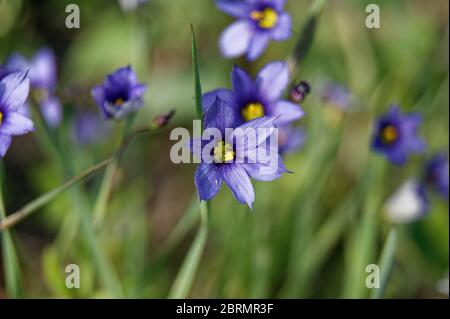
(14, 90)
(259, 21)
(337, 95)
(42, 72)
(120, 94)
(51, 111)
(252, 99)
(290, 139)
(407, 204)
(42, 68)
(225, 166)
(131, 5)
(300, 91)
(89, 128)
(396, 135)
(436, 174)
(163, 119)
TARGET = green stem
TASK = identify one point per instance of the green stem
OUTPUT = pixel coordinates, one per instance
(106, 185)
(10, 261)
(386, 263)
(185, 277)
(362, 243)
(44, 199)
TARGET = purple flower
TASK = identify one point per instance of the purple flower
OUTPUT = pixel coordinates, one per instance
(252, 99)
(396, 135)
(226, 153)
(436, 174)
(89, 128)
(51, 110)
(14, 90)
(259, 21)
(42, 71)
(120, 94)
(338, 95)
(290, 139)
(42, 68)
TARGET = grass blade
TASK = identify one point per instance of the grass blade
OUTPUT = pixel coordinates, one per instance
(185, 278)
(10, 260)
(386, 263)
(44, 199)
(196, 69)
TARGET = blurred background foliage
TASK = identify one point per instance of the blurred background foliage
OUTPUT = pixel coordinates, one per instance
(310, 232)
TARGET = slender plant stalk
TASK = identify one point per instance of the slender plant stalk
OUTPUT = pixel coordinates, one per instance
(11, 266)
(185, 277)
(196, 70)
(363, 241)
(386, 263)
(44, 199)
(182, 228)
(103, 196)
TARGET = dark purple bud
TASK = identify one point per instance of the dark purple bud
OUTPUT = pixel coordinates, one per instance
(300, 91)
(163, 119)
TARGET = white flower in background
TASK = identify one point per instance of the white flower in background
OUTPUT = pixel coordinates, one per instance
(407, 204)
(131, 5)
(442, 286)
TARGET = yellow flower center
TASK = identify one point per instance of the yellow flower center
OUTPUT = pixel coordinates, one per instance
(1, 118)
(389, 134)
(223, 152)
(252, 111)
(119, 102)
(267, 19)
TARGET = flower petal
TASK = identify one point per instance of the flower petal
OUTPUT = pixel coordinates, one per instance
(273, 80)
(208, 180)
(258, 45)
(238, 181)
(283, 29)
(285, 112)
(16, 124)
(235, 39)
(221, 116)
(14, 89)
(52, 111)
(224, 94)
(265, 173)
(235, 8)
(243, 85)
(43, 69)
(98, 94)
(277, 4)
(5, 142)
(251, 134)
(138, 90)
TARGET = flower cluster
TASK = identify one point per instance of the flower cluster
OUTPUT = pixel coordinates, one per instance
(396, 137)
(230, 157)
(250, 102)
